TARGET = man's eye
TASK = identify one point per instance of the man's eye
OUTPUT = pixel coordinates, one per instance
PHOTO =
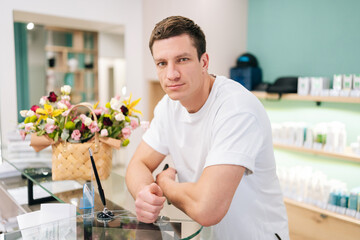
(183, 59)
(161, 64)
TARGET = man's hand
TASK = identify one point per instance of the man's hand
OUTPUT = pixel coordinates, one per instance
(168, 174)
(149, 202)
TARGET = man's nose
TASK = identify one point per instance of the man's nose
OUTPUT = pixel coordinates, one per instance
(172, 72)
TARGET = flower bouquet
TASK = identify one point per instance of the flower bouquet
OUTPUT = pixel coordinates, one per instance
(71, 131)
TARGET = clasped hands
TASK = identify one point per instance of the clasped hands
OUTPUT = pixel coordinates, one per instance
(150, 199)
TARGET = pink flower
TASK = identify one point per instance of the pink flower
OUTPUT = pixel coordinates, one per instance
(126, 132)
(134, 123)
(64, 114)
(34, 107)
(105, 110)
(117, 97)
(94, 127)
(83, 117)
(104, 133)
(66, 102)
(49, 128)
(76, 135)
(98, 111)
(28, 127)
(23, 134)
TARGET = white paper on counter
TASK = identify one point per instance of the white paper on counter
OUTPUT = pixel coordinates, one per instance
(52, 221)
(27, 223)
(58, 221)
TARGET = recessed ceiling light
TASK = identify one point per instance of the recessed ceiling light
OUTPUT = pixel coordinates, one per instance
(30, 26)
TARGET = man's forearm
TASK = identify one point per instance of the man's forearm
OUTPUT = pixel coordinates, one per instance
(138, 176)
(207, 200)
(184, 196)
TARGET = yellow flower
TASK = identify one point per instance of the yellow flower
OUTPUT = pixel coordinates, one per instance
(96, 105)
(130, 105)
(48, 111)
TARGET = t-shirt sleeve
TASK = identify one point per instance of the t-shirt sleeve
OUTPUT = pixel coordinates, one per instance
(237, 139)
(155, 136)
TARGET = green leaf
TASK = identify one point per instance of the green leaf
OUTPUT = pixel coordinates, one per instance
(115, 133)
(41, 132)
(56, 138)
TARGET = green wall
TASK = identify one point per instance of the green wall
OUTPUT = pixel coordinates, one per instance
(305, 37)
(309, 38)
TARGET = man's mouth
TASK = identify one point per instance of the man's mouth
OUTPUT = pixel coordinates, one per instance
(175, 86)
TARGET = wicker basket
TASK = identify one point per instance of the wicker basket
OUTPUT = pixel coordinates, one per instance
(71, 161)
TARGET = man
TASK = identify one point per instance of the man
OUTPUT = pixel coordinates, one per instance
(219, 137)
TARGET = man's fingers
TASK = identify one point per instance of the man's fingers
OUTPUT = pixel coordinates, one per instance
(144, 206)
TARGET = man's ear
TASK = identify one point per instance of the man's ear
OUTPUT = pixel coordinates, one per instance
(204, 60)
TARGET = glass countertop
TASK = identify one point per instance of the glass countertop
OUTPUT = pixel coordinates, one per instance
(117, 196)
(121, 226)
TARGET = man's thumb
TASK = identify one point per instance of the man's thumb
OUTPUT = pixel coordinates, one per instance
(155, 189)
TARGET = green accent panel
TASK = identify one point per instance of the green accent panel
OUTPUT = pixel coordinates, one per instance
(69, 79)
(306, 38)
(81, 60)
(22, 71)
(68, 37)
(71, 55)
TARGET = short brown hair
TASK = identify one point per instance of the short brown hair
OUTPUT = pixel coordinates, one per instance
(178, 25)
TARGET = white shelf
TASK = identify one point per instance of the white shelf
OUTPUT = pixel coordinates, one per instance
(347, 155)
(296, 97)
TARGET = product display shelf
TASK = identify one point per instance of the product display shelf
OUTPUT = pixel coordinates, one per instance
(78, 71)
(69, 49)
(310, 222)
(296, 97)
(73, 60)
(347, 155)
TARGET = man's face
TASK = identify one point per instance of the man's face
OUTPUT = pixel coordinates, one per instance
(180, 72)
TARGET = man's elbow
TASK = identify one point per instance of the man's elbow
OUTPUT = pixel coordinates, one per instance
(209, 216)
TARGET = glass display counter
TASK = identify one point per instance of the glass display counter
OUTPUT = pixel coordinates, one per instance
(173, 224)
(122, 226)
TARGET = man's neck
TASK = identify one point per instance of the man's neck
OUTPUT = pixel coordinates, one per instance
(193, 107)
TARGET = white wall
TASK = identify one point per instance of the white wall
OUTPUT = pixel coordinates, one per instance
(224, 23)
(113, 12)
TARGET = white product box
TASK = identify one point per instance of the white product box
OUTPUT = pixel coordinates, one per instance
(334, 93)
(318, 84)
(303, 85)
(345, 93)
(355, 93)
(347, 81)
(356, 81)
(337, 82)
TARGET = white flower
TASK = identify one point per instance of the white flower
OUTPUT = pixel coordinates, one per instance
(30, 113)
(87, 121)
(50, 121)
(115, 104)
(119, 117)
(23, 113)
(104, 133)
(43, 100)
(66, 89)
(60, 105)
(65, 97)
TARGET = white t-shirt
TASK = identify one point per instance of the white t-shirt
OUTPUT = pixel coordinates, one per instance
(232, 127)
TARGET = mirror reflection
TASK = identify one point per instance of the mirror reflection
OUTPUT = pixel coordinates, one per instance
(51, 52)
